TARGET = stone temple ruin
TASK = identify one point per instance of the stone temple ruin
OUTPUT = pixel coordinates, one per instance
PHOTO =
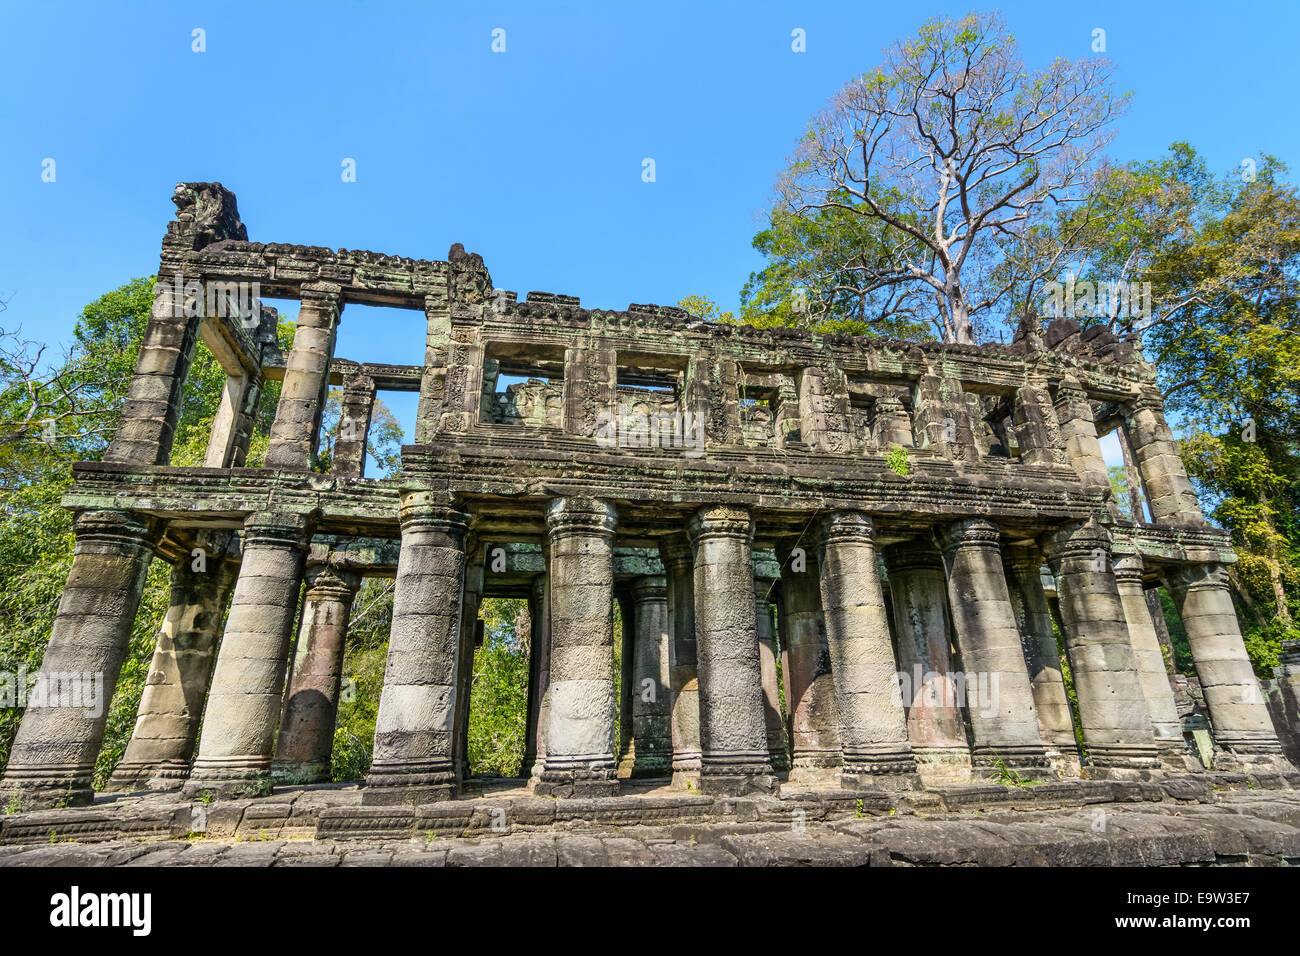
(916, 515)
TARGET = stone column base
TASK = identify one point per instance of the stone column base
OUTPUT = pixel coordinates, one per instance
(46, 788)
(298, 774)
(942, 765)
(413, 782)
(129, 777)
(563, 785)
(229, 778)
(1124, 763)
(739, 784)
(1027, 762)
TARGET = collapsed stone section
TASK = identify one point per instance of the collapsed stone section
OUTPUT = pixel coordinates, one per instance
(837, 558)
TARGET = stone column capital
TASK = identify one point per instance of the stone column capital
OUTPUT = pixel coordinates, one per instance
(846, 526)
(277, 529)
(674, 551)
(537, 589)
(721, 521)
(1187, 577)
(580, 516)
(1128, 569)
(650, 588)
(325, 583)
(324, 293)
(969, 533)
(916, 555)
(1075, 540)
(97, 530)
(1022, 557)
(423, 511)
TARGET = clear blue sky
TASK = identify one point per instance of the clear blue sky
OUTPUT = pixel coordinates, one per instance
(530, 157)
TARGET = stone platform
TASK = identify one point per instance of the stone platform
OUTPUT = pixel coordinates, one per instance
(1210, 819)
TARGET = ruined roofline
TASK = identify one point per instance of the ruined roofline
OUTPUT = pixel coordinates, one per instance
(208, 240)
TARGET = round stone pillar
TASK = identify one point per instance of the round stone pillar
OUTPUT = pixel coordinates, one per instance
(651, 692)
(306, 741)
(244, 703)
(872, 721)
(52, 761)
(161, 747)
(1150, 660)
(539, 674)
(1243, 731)
(414, 748)
(1023, 564)
(675, 552)
(733, 730)
(995, 680)
(935, 725)
(1113, 711)
(776, 739)
(814, 723)
(580, 723)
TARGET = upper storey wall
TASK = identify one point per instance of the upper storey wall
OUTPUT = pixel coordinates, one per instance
(602, 385)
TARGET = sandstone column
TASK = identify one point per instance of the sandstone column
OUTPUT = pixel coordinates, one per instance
(872, 722)
(1150, 660)
(414, 753)
(1243, 731)
(675, 551)
(1079, 431)
(296, 429)
(306, 741)
(1164, 477)
(776, 739)
(1000, 702)
(244, 702)
(1023, 565)
(651, 682)
(733, 730)
(814, 723)
(167, 722)
(539, 675)
(936, 727)
(1113, 711)
(152, 408)
(580, 723)
(52, 760)
(471, 599)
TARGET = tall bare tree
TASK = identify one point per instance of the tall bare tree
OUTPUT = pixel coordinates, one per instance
(959, 151)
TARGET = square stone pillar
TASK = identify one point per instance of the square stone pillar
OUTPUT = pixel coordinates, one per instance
(814, 720)
(679, 568)
(733, 730)
(776, 737)
(247, 690)
(471, 601)
(1164, 477)
(1023, 564)
(295, 432)
(152, 408)
(52, 760)
(414, 744)
(580, 722)
(1150, 661)
(995, 681)
(356, 408)
(166, 730)
(1113, 710)
(437, 343)
(1082, 447)
(306, 742)
(539, 675)
(651, 693)
(936, 726)
(872, 721)
(1244, 735)
(233, 425)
